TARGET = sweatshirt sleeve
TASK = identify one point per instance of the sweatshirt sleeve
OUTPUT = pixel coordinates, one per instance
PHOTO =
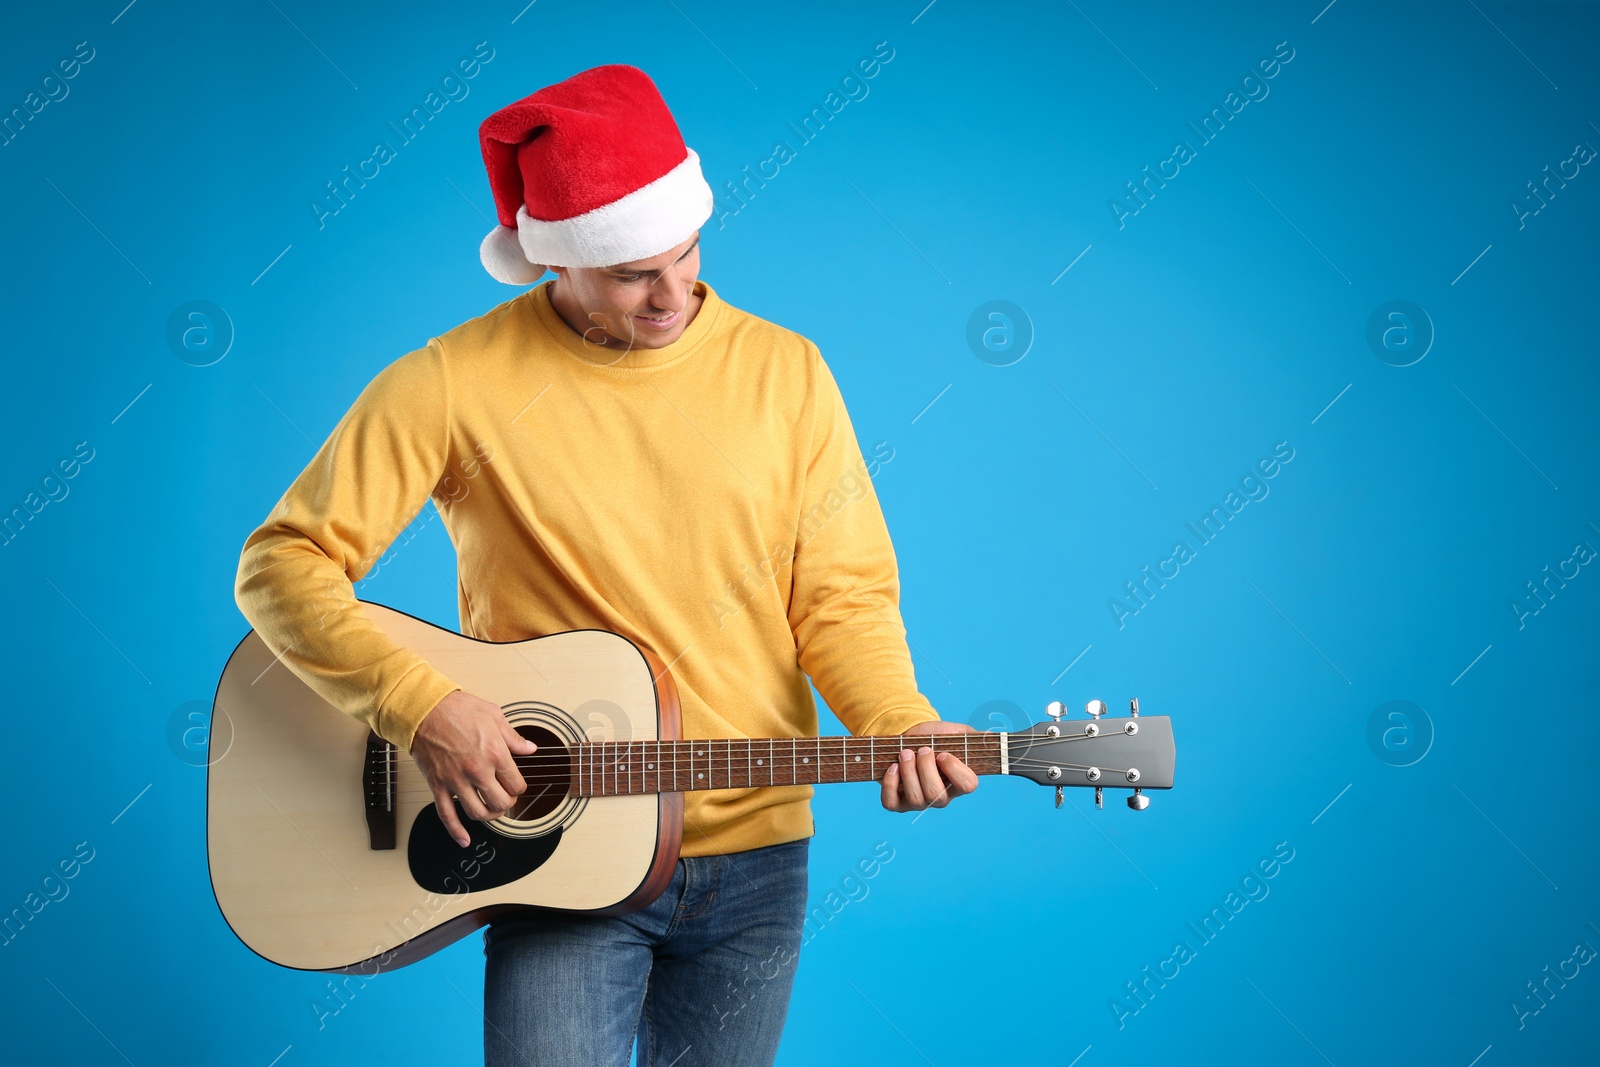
(362, 488)
(845, 607)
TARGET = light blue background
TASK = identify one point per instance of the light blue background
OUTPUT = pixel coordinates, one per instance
(1223, 318)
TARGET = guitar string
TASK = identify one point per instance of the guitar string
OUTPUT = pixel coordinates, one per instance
(559, 765)
(748, 777)
(829, 763)
(563, 755)
(687, 743)
(618, 759)
(412, 793)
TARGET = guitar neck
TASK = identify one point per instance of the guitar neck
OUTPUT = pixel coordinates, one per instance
(615, 768)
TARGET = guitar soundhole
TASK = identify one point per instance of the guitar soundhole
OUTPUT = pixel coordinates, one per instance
(547, 772)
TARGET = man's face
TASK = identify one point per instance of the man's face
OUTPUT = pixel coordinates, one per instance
(642, 304)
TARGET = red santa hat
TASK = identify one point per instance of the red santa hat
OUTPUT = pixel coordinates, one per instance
(589, 172)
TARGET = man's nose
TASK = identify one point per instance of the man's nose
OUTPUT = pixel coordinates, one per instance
(670, 293)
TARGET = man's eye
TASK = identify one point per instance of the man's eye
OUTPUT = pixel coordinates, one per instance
(628, 277)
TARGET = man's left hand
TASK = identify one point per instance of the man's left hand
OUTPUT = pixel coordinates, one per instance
(922, 778)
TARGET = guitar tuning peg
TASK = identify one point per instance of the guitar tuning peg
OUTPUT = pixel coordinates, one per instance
(1138, 801)
(1095, 708)
(1058, 796)
(1133, 707)
(1055, 709)
(1099, 798)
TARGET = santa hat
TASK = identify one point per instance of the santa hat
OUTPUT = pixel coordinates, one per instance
(588, 172)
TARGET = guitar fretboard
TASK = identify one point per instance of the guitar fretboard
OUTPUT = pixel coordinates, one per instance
(615, 768)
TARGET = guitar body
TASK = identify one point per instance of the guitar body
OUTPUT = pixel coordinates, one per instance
(326, 851)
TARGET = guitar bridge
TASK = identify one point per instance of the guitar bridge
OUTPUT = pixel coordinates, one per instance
(378, 785)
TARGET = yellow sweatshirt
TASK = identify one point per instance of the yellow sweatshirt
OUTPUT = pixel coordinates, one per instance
(707, 500)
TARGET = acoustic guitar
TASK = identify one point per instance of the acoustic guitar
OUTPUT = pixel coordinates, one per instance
(327, 852)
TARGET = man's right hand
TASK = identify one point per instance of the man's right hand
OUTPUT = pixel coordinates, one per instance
(464, 748)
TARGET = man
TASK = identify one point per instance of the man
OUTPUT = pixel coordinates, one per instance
(617, 449)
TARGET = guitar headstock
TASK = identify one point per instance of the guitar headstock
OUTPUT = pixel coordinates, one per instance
(1099, 752)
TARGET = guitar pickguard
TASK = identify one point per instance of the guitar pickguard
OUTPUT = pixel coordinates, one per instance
(439, 865)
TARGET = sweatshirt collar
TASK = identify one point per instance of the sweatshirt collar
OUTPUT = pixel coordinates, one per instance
(704, 323)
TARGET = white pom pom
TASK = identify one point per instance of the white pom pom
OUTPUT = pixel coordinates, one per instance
(503, 258)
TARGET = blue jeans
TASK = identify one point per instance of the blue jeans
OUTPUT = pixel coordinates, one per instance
(707, 969)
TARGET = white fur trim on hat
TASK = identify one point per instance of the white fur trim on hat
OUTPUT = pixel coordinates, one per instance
(646, 222)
